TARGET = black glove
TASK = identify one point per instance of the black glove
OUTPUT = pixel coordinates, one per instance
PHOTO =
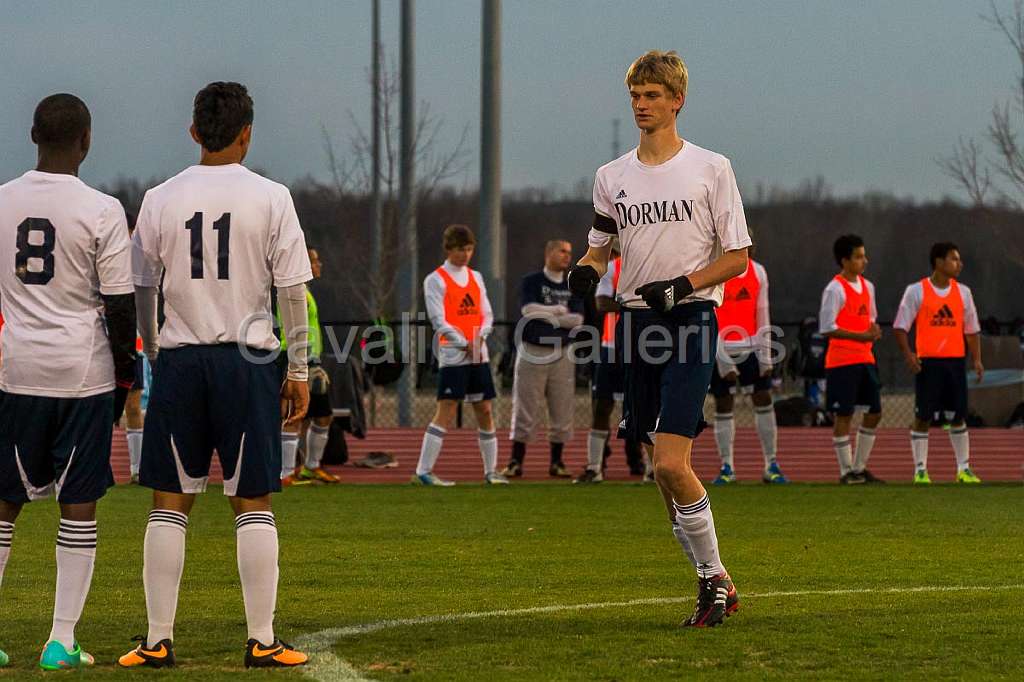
(663, 296)
(120, 398)
(582, 280)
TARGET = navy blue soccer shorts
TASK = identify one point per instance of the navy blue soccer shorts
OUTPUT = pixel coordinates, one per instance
(472, 383)
(668, 360)
(748, 375)
(852, 386)
(940, 390)
(609, 379)
(55, 445)
(140, 373)
(207, 398)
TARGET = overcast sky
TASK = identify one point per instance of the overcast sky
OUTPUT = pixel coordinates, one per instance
(866, 94)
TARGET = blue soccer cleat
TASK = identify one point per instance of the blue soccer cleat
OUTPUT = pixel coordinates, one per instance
(773, 474)
(430, 478)
(56, 657)
(725, 476)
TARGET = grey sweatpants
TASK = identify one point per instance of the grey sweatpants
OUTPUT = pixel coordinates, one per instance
(552, 381)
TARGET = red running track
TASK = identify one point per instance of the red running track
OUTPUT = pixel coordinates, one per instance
(805, 454)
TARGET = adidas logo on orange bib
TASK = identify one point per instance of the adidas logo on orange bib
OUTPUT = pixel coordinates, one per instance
(943, 317)
(467, 306)
(863, 310)
(742, 295)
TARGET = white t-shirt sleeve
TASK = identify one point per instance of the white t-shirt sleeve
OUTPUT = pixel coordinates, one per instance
(727, 210)
(971, 323)
(874, 301)
(147, 268)
(910, 305)
(113, 253)
(764, 319)
(433, 296)
(289, 259)
(832, 301)
(487, 326)
(606, 287)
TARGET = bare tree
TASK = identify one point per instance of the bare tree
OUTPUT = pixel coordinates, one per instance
(354, 178)
(965, 164)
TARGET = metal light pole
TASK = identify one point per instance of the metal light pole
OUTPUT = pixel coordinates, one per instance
(407, 284)
(490, 242)
(376, 228)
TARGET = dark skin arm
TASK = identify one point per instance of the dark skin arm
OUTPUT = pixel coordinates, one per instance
(873, 333)
(607, 304)
(974, 348)
(903, 341)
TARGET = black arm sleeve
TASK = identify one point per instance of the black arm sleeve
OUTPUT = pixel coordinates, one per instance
(603, 223)
(121, 328)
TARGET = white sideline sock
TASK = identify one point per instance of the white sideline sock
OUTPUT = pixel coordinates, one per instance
(725, 435)
(430, 450)
(76, 557)
(764, 419)
(134, 437)
(163, 560)
(680, 534)
(961, 447)
(6, 535)
(488, 450)
(841, 444)
(316, 442)
(289, 450)
(257, 549)
(595, 449)
(865, 441)
(698, 525)
(919, 447)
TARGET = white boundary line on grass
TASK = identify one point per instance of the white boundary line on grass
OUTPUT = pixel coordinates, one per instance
(326, 667)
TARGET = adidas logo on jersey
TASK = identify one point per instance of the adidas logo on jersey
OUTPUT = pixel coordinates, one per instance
(943, 317)
(621, 194)
(863, 310)
(467, 306)
(742, 295)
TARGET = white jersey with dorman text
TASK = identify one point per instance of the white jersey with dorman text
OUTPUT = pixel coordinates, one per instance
(672, 219)
(62, 245)
(220, 236)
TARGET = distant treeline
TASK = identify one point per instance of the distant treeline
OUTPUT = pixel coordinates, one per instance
(793, 239)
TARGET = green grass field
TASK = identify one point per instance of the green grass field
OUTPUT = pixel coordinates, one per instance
(358, 555)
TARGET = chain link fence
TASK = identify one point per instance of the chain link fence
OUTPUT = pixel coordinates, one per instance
(382, 410)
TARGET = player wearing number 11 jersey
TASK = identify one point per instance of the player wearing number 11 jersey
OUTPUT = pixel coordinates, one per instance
(219, 236)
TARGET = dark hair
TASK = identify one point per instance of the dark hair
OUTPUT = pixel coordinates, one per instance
(60, 121)
(844, 247)
(220, 112)
(458, 236)
(130, 218)
(940, 251)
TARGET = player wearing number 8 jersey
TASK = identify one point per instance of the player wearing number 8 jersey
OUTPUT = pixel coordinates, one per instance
(219, 236)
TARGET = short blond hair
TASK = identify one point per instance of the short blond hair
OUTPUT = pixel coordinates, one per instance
(662, 68)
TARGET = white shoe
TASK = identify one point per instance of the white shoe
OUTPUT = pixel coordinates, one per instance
(494, 478)
(430, 478)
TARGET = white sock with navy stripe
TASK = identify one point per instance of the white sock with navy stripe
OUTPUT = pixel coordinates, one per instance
(163, 558)
(76, 556)
(764, 419)
(316, 443)
(680, 534)
(844, 454)
(430, 449)
(256, 539)
(698, 525)
(865, 441)
(6, 535)
(961, 447)
(289, 449)
(134, 437)
(595, 449)
(488, 450)
(725, 434)
(919, 446)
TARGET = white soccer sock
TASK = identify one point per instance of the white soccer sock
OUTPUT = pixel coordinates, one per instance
(134, 450)
(6, 535)
(76, 556)
(764, 419)
(316, 442)
(595, 449)
(488, 450)
(256, 535)
(961, 447)
(865, 441)
(163, 558)
(919, 446)
(841, 444)
(289, 449)
(698, 525)
(680, 534)
(725, 434)
(430, 450)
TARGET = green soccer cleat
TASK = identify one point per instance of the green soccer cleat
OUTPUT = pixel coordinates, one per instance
(3, 659)
(56, 657)
(921, 477)
(967, 476)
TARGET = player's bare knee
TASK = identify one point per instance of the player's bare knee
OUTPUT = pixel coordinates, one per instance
(323, 422)
(724, 404)
(81, 511)
(872, 419)
(9, 511)
(762, 398)
(243, 505)
(179, 502)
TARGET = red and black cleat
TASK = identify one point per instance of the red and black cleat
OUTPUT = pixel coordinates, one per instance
(716, 599)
